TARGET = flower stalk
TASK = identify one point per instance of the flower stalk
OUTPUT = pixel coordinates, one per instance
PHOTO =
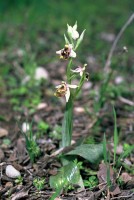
(66, 88)
(67, 125)
(69, 71)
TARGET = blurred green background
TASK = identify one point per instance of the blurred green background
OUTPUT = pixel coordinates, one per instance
(42, 23)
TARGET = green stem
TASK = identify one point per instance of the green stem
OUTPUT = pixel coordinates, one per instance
(67, 124)
(80, 85)
(69, 71)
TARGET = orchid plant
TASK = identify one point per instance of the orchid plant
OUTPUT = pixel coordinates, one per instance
(66, 88)
(69, 174)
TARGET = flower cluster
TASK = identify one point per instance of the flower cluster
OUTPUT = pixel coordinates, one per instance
(68, 52)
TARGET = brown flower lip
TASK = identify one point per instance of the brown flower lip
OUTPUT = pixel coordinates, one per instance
(66, 52)
(61, 90)
(64, 90)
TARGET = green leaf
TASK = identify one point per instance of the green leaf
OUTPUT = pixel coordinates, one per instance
(91, 152)
(80, 39)
(66, 40)
(105, 148)
(115, 135)
(69, 174)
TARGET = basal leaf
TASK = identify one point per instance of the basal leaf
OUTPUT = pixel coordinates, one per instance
(69, 174)
(91, 152)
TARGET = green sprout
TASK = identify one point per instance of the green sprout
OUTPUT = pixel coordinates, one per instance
(6, 141)
(91, 182)
(19, 180)
(55, 134)
(115, 135)
(31, 145)
(42, 129)
(39, 183)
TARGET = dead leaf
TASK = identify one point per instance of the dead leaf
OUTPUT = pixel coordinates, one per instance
(1, 155)
(127, 161)
(125, 177)
(21, 150)
(102, 174)
(114, 190)
(21, 194)
(13, 157)
(119, 149)
(130, 184)
(8, 185)
(3, 132)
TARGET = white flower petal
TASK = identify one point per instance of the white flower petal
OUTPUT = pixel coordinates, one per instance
(70, 46)
(69, 29)
(25, 127)
(75, 26)
(75, 34)
(81, 73)
(58, 52)
(58, 86)
(72, 54)
(72, 86)
(77, 70)
(67, 95)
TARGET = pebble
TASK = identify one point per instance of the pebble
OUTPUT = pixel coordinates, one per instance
(41, 106)
(119, 80)
(40, 73)
(11, 172)
(3, 132)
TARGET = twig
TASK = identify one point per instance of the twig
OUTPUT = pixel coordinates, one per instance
(119, 172)
(108, 61)
(126, 101)
(120, 197)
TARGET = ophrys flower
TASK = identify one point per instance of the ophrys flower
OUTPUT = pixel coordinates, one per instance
(79, 70)
(66, 52)
(64, 90)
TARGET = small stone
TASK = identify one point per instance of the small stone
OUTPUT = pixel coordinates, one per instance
(11, 172)
(79, 109)
(119, 80)
(3, 132)
(41, 106)
(108, 37)
(87, 85)
(126, 161)
(119, 149)
(41, 73)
